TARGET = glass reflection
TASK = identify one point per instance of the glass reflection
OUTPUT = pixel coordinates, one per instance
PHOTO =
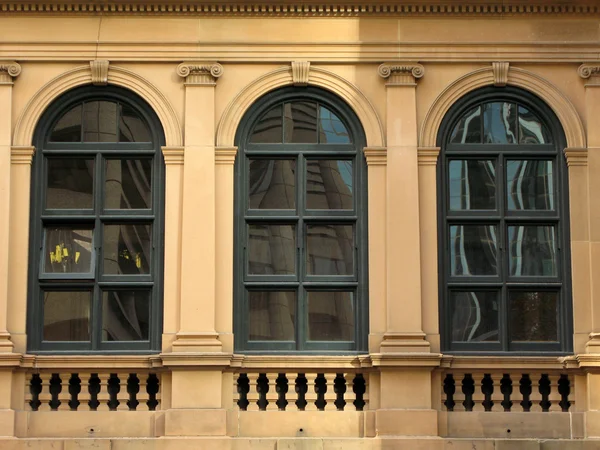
(68, 127)
(300, 123)
(533, 316)
(331, 128)
(272, 315)
(532, 250)
(70, 183)
(530, 185)
(67, 315)
(272, 184)
(474, 316)
(499, 123)
(271, 249)
(128, 184)
(330, 316)
(330, 249)
(126, 249)
(472, 184)
(68, 250)
(473, 250)
(125, 315)
(269, 128)
(531, 129)
(132, 128)
(329, 184)
(468, 128)
(100, 122)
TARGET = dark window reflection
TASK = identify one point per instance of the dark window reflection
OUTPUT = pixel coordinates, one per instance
(468, 129)
(329, 184)
(126, 249)
(132, 127)
(533, 316)
(100, 122)
(269, 129)
(128, 184)
(532, 250)
(531, 128)
(472, 184)
(474, 316)
(499, 123)
(70, 183)
(330, 316)
(68, 128)
(272, 184)
(272, 315)
(330, 249)
(68, 250)
(271, 249)
(300, 122)
(530, 185)
(473, 249)
(331, 128)
(125, 315)
(67, 315)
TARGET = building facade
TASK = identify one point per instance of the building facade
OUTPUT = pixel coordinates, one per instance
(299, 225)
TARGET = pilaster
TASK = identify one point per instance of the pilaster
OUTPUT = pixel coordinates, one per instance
(8, 71)
(404, 331)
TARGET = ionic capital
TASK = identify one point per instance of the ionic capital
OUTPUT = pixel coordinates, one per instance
(8, 71)
(401, 73)
(590, 72)
(200, 73)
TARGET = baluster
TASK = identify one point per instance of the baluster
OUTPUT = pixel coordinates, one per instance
(359, 387)
(142, 396)
(272, 394)
(468, 388)
(564, 389)
(281, 386)
(544, 389)
(554, 397)
(535, 397)
(506, 389)
(262, 387)
(301, 387)
(311, 394)
(74, 391)
(320, 390)
(122, 393)
(153, 390)
(103, 395)
(339, 387)
(243, 388)
(487, 388)
(525, 389)
(449, 388)
(55, 387)
(94, 387)
(35, 389)
(133, 389)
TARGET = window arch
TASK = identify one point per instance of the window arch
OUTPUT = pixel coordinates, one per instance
(503, 226)
(301, 230)
(96, 255)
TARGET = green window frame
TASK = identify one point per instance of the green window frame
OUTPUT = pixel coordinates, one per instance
(503, 221)
(97, 225)
(300, 226)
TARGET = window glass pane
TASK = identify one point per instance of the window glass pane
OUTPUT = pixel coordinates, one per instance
(474, 316)
(531, 129)
(300, 122)
(126, 249)
(473, 249)
(68, 127)
(272, 184)
(330, 316)
(68, 250)
(331, 128)
(128, 184)
(472, 184)
(532, 250)
(269, 129)
(533, 316)
(125, 315)
(272, 315)
(67, 315)
(132, 127)
(530, 185)
(330, 249)
(468, 129)
(70, 183)
(100, 122)
(499, 123)
(329, 184)
(272, 249)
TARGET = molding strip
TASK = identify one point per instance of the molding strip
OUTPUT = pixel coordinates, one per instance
(173, 155)
(576, 156)
(225, 155)
(427, 156)
(21, 155)
(376, 156)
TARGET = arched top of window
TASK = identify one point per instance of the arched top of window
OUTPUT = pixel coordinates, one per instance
(300, 122)
(500, 122)
(101, 121)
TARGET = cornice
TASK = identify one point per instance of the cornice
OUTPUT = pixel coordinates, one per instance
(303, 9)
(200, 73)
(401, 73)
(8, 71)
(478, 363)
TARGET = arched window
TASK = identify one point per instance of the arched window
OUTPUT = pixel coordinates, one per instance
(96, 225)
(301, 235)
(504, 235)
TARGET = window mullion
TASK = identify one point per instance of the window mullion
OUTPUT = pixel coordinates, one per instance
(302, 307)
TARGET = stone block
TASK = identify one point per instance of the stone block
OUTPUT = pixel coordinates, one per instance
(195, 422)
(398, 422)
